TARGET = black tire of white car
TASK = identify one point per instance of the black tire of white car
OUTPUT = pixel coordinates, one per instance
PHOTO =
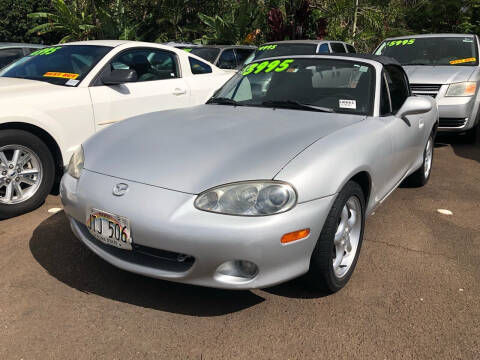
(321, 274)
(418, 178)
(41, 155)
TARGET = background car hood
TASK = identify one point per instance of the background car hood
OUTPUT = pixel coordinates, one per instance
(438, 74)
(194, 149)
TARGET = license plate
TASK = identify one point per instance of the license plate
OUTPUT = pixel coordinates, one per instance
(110, 229)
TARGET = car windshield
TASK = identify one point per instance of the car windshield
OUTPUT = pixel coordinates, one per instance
(60, 65)
(311, 84)
(284, 49)
(450, 51)
(209, 54)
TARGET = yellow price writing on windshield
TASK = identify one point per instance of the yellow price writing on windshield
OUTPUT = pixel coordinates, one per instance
(461, 61)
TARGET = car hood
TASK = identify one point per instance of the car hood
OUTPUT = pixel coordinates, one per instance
(12, 86)
(438, 74)
(191, 150)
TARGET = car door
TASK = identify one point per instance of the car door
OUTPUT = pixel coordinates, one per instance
(405, 133)
(159, 86)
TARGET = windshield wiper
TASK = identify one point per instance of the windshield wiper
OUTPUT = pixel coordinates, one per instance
(224, 101)
(417, 63)
(292, 104)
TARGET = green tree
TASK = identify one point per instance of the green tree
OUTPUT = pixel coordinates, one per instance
(14, 23)
(69, 20)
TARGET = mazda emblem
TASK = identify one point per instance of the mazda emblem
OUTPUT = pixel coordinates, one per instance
(120, 189)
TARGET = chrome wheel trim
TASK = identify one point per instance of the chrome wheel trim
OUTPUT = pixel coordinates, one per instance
(21, 174)
(427, 162)
(347, 237)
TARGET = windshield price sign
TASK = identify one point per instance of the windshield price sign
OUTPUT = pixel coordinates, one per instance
(401, 42)
(268, 66)
(46, 51)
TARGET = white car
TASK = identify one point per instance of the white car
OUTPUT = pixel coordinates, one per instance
(55, 98)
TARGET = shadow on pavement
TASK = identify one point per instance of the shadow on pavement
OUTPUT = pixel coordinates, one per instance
(64, 257)
(462, 149)
(295, 289)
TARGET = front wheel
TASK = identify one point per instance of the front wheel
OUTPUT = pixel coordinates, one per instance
(27, 172)
(338, 247)
(422, 175)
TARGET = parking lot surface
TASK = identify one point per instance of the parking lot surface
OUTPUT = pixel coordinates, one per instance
(415, 293)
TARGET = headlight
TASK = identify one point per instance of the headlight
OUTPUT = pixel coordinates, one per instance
(251, 198)
(466, 88)
(75, 165)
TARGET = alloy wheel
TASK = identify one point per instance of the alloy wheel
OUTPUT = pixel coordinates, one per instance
(21, 174)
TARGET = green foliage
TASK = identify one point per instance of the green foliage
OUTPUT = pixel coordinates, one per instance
(243, 18)
(70, 20)
(14, 23)
(362, 22)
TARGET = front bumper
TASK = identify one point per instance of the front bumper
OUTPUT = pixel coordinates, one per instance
(166, 222)
(457, 114)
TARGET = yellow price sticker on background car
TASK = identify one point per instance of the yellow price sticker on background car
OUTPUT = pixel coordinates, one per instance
(187, 50)
(401, 42)
(268, 66)
(61, 75)
(461, 61)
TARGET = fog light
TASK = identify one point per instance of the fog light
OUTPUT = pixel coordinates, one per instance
(238, 268)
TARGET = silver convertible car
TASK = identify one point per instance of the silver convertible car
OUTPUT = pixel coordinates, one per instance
(255, 187)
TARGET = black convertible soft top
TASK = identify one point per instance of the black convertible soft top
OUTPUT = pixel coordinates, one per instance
(385, 60)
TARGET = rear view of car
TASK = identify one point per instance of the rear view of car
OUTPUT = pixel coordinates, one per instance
(445, 67)
(300, 47)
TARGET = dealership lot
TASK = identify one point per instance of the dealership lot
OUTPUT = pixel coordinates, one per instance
(413, 295)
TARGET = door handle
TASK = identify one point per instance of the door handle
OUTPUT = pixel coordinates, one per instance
(179, 91)
(421, 123)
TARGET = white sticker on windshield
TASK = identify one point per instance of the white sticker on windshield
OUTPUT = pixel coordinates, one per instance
(469, 40)
(347, 104)
(72, 82)
(363, 68)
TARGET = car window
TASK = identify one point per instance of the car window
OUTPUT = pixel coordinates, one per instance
(209, 54)
(432, 51)
(341, 85)
(324, 49)
(9, 55)
(60, 65)
(199, 67)
(350, 48)
(385, 107)
(337, 47)
(242, 55)
(398, 86)
(227, 60)
(149, 64)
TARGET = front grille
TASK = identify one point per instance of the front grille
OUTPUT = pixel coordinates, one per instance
(452, 122)
(145, 256)
(426, 89)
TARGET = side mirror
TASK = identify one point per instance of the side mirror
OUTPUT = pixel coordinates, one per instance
(414, 105)
(120, 76)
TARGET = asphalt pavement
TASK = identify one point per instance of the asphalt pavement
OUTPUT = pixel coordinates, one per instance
(415, 293)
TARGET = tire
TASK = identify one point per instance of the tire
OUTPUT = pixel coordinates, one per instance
(420, 177)
(470, 136)
(25, 190)
(323, 274)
